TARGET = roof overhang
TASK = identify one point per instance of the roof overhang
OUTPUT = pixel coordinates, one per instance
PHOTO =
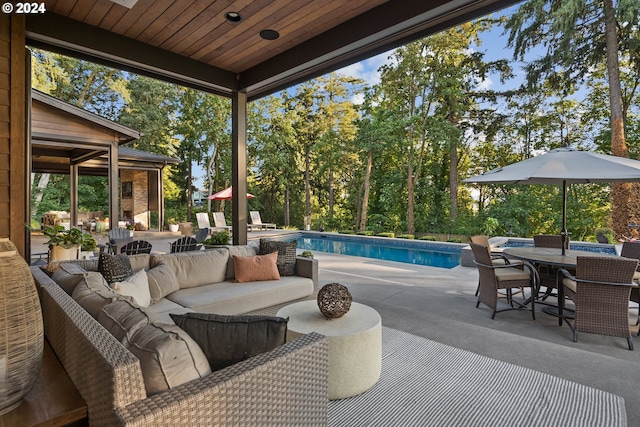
(376, 30)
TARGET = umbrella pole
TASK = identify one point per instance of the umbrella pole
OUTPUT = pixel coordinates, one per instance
(563, 232)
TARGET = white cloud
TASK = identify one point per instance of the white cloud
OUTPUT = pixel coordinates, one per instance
(367, 70)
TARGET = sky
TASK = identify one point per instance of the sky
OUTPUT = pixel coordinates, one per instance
(494, 45)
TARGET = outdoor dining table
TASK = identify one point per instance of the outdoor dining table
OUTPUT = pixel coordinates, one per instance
(552, 257)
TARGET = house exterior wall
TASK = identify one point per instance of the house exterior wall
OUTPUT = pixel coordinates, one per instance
(13, 153)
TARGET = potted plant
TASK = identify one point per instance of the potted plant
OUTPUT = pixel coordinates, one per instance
(306, 254)
(220, 238)
(88, 246)
(173, 225)
(63, 243)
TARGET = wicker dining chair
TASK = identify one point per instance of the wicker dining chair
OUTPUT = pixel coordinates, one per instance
(494, 278)
(548, 274)
(184, 244)
(136, 247)
(632, 250)
(600, 291)
(496, 257)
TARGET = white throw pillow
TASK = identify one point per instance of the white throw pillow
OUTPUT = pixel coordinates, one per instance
(136, 286)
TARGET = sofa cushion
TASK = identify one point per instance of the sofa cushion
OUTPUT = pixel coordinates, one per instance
(139, 262)
(257, 267)
(239, 250)
(135, 286)
(93, 293)
(196, 268)
(122, 319)
(114, 268)
(162, 281)
(68, 275)
(226, 340)
(286, 254)
(168, 357)
(234, 298)
(159, 312)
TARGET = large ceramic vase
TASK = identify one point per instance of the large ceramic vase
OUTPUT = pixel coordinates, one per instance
(21, 329)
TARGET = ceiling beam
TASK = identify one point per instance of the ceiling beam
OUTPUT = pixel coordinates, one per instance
(379, 30)
(67, 36)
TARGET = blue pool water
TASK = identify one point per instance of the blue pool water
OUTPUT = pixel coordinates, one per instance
(399, 250)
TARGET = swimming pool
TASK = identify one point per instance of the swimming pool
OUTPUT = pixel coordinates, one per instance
(434, 254)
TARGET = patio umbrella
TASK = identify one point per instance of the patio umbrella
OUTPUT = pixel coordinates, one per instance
(226, 194)
(563, 166)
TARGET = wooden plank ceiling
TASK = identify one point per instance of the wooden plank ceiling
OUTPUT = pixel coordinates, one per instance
(192, 42)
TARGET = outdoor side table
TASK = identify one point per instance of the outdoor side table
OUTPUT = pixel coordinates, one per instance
(355, 344)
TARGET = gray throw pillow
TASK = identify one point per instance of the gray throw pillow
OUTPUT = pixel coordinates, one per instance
(68, 275)
(226, 340)
(114, 268)
(286, 255)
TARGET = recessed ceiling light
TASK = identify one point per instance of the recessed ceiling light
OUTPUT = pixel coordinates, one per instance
(269, 34)
(126, 3)
(232, 16)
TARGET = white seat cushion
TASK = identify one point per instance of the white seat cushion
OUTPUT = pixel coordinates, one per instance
(511, 273)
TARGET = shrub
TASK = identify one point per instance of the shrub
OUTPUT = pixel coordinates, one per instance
(365, 233)
(454, 240)
(389, 234)
(347, 232)
(429, 238)
(306, 254)
(219, 238)
(406, 236)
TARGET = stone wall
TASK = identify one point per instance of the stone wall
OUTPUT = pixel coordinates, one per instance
(138, 204)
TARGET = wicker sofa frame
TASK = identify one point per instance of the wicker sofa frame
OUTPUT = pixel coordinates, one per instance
(284, 387)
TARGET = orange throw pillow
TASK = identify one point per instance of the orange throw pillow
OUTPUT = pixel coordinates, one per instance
(258, 267)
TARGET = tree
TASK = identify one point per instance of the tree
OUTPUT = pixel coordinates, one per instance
(578, 35)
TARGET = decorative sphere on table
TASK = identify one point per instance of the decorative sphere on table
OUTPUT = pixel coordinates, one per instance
(334, 300)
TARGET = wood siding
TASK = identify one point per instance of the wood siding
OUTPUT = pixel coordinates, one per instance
(47, 120)
(13, 185)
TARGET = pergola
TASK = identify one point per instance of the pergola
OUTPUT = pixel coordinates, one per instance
(240, 49)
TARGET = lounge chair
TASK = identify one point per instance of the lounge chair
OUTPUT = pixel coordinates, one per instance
(220, 221)
(256, 222)
(600, 291)
(203, 222)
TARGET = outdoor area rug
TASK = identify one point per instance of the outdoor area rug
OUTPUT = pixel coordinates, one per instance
(425, 383)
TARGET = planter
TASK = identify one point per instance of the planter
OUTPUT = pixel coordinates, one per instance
(173, 228)
(101, 226)
(22, 335)
(59, 253)
(185, 228)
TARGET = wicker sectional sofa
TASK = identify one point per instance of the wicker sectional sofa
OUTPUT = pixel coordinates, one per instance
(284, 386)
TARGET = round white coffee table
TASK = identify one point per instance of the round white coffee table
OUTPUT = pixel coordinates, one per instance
(355, 344)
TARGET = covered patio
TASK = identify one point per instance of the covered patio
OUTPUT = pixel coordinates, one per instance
(240, 50)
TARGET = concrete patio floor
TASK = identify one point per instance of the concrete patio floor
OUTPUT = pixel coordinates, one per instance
(439, 304)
